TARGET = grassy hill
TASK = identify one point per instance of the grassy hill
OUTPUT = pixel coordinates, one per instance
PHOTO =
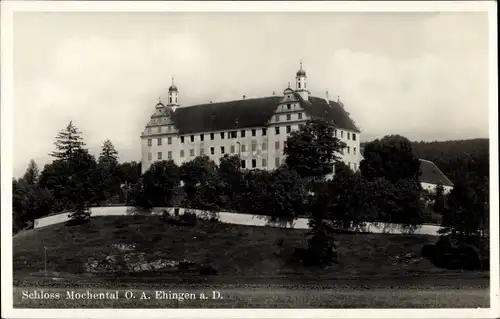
(244, 252)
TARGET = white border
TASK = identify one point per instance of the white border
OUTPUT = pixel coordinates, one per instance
(9, 7)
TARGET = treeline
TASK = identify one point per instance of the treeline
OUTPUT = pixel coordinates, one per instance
(386, 189)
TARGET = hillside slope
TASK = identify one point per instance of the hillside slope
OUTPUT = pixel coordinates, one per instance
(236, 251)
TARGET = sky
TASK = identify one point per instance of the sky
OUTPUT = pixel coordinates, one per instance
(421, 75)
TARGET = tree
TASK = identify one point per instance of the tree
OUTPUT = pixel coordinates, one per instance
(287, 194)
(311, 151)
(18, 207)
(439, 200)
(195, 173)
(67, 142)
(32, 173)
(109, 155)
(109, 185)
(231, 181)
(390, 158)
(157, 185)
(463, 218)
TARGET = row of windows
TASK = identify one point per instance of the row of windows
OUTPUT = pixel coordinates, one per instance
(277, 117)
(349, 150)
(277, 160)
(234, 134)
(230, 135)
(349, 135)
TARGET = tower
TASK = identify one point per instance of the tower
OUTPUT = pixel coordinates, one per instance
(173, 96)
(301, 83)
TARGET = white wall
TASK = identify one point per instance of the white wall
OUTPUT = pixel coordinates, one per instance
(234, 218)
(432, 187)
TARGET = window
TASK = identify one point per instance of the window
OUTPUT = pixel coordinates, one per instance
(222, 149)
(169, 155)
(299, 116)
(212, 136)
(298, 83)
(191, 138)
(277, 118)
(264, 146)
(348, 135)
(353, 136)
(212, 151)
(221, 135)
(150, 142)
(354, 166)
(243, 164)
(277, 162)
(170, 99)
(288, 117)
(182, 139)
(243, 133)
(348, 150)
(254, 146)
(288, 106)
(202, 137)
(159, 141)
(158, 129)
(182, 153)
(232, 149)
(149, 130)
(264, 132)
(277, 145)
(191, 152)
(335, 132)
(254, 163)
(243, 148)
(354, 150)
(159, 155)
(234, 134)
(202, 151)
(169, 140)
(169, 128)
(341, 134)
(349, 164)
(254, 132)
(277, 130)
(288, 129)
(264, 162)
(150, 156)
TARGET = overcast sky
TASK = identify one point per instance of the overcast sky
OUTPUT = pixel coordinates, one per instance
(422, 75)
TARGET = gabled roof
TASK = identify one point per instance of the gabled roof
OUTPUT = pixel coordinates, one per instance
(252, 113)
(431, 174)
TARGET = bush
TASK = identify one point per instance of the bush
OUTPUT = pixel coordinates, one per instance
(189, 218)
(207, 270)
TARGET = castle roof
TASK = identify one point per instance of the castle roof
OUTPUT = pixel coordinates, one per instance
(256, 112)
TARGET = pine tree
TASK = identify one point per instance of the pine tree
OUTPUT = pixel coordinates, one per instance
(32, 173)
(109, 155)
(67, 142)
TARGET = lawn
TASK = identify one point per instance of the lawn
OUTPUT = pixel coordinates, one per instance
(243, 252)
(252, 270)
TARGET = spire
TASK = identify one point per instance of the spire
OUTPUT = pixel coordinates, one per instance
(172, 87)
(301, 72)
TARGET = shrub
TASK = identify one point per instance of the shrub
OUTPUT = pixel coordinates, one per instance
(207, 270)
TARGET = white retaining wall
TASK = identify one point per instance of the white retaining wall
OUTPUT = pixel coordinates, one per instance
(234, 218)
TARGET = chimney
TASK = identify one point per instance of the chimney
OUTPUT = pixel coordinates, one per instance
(326, 97)
(210, 102)
(274, 93)
(244, 97)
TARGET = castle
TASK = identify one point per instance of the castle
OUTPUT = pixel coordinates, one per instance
(255, 129)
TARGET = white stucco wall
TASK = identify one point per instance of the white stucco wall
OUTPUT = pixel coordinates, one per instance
(432, 187)
(234, 218)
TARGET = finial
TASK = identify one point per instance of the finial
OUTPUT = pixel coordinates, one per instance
(338, 98)
(288, 84)
(301, 64)
(274, 92)
(172, 80)
(159, 100)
